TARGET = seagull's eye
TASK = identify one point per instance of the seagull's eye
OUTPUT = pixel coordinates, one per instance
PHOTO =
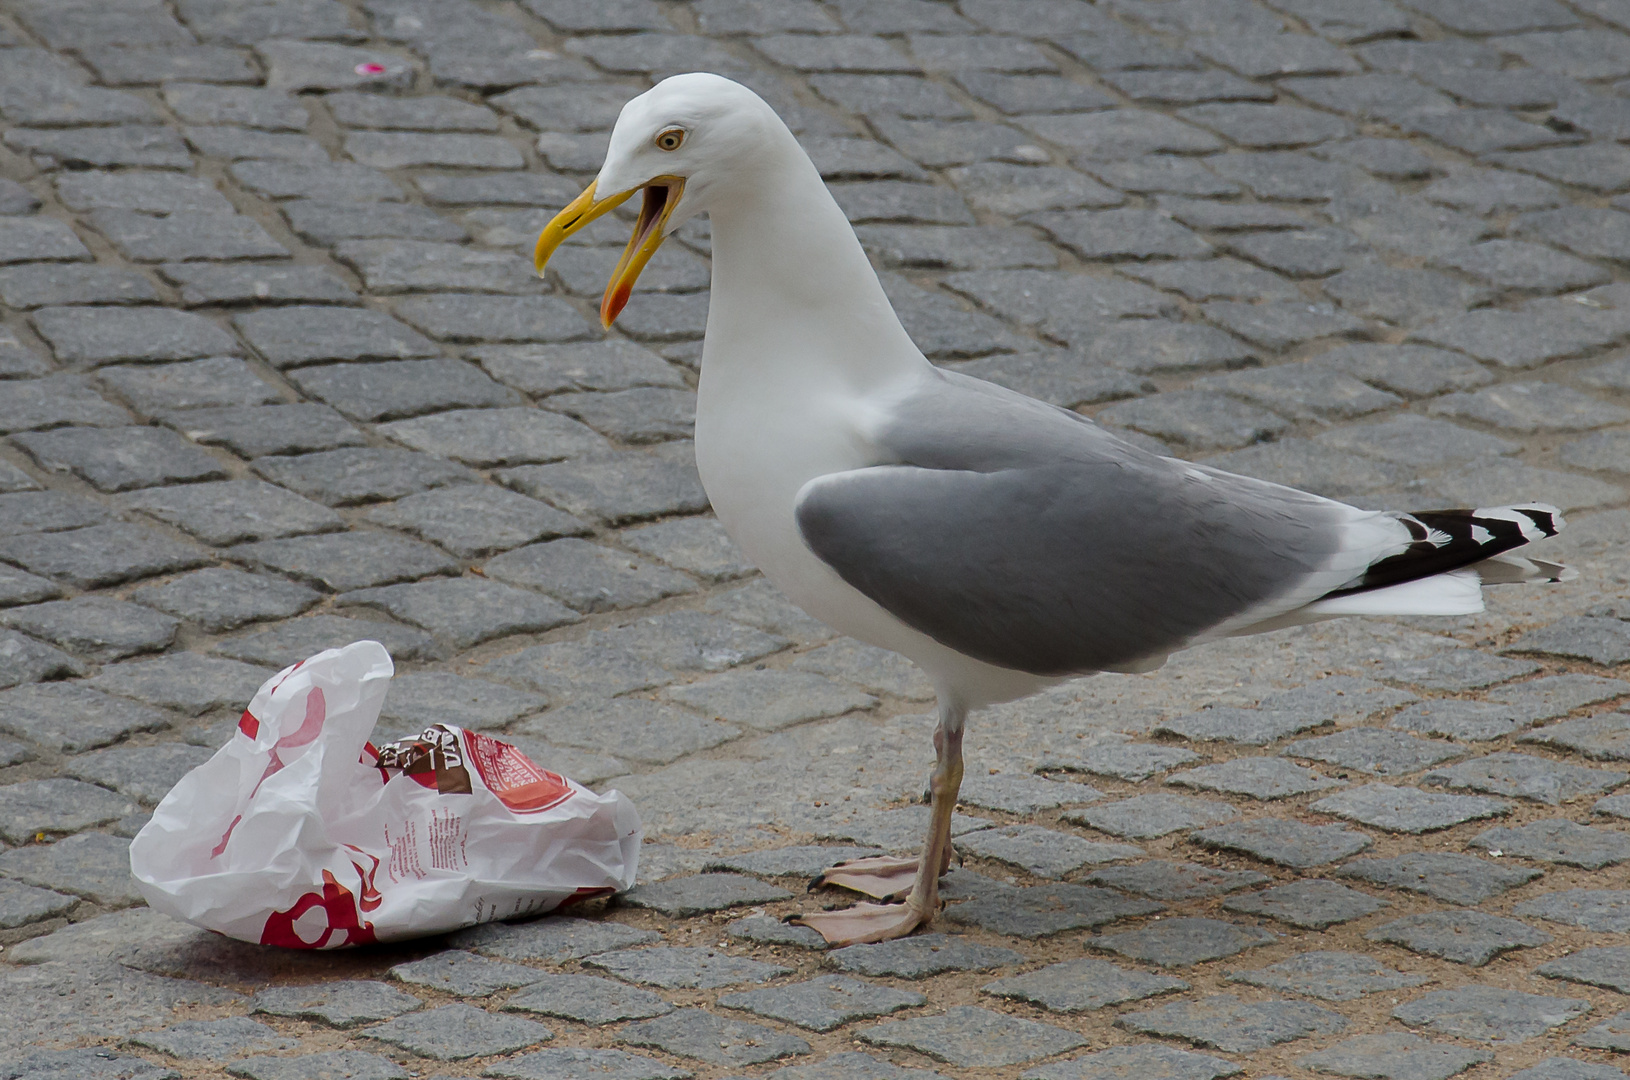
(671, 139)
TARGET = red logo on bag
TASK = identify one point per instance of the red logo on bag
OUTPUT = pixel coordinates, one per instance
(338, 904)
(511, 775)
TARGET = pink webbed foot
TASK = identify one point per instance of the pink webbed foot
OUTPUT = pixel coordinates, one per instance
(886, 877)
(864, 923)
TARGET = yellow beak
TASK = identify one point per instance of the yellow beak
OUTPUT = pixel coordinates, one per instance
(661, 196)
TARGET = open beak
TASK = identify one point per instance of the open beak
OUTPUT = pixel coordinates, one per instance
(661, 196)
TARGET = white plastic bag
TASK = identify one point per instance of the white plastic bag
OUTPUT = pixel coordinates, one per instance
(299, 832)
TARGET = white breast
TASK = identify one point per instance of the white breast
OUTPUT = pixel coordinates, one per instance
(756, 448)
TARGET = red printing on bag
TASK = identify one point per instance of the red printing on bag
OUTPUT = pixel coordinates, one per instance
(341, 908)
(511, 775)
(309, 729)
(216, 852)
(371, 896)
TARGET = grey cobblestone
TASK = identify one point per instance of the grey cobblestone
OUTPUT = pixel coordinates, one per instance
(255, 431)
(96, 627)
(42, 284)
(348, 560)
(101, 554)
(346, 477)
(823, 1003)
(388, 267)
(48, 511)
(401, 388)
(95, 335)
(487, 437)
(587, 1000)
(218, 381)
(1466, 937)
(1458, 879)
(1229, 1024)
(552, 939)
(27, 404)
(1198, 419)
(1488, 1014)
(1402, 296)
(1175, 881)
(1394, 1055)
(586, 576)
(1148, 816)
(969, 1036)
(92, 865)
(55, 806)
(1043, 910)
(54, 401)
(185, 682)
(694, 1033)
(215, 1040)
(130, 145)
(149, 192)
(24, 660)
(616, 488)
(294, 640)
(465, 611)
(144, 238)
(1307, 904)
(17, 587)
(1330, 976)
(351, 1064)
(327, 223)
(455, 1032)
(1082, 985)
(235, 510)
(1558, 841)
(686, 967)
(1181, 942)
(119, 459)
(1385, 753)
(1285, 842)
(23, 904)
(635, 728)
(220, 599)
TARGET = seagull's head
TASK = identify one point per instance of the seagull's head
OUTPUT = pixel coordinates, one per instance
(676, 143)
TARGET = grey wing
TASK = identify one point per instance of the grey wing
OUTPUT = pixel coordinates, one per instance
(1027, 537)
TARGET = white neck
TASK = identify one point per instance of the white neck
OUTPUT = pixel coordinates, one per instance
(792, 287)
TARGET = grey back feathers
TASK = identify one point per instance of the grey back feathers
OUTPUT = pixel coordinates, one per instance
(1028, 537)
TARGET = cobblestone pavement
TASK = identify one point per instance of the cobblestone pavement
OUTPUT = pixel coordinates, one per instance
(275, 375)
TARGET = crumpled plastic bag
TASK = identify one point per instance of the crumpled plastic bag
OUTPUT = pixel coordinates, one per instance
(300, 832)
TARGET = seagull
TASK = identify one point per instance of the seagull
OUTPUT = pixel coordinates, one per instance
(1002, 544)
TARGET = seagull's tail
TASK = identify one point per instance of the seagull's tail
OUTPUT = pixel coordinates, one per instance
(1452, 554)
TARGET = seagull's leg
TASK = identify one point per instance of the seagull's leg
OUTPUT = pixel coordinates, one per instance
(881, 922)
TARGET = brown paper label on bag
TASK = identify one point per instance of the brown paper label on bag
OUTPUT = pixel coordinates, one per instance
(434, 760)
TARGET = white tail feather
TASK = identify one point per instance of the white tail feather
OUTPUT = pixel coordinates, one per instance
(1516, 570)
(1459, 592)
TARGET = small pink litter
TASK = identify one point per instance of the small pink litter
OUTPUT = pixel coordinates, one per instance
(370, 68)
